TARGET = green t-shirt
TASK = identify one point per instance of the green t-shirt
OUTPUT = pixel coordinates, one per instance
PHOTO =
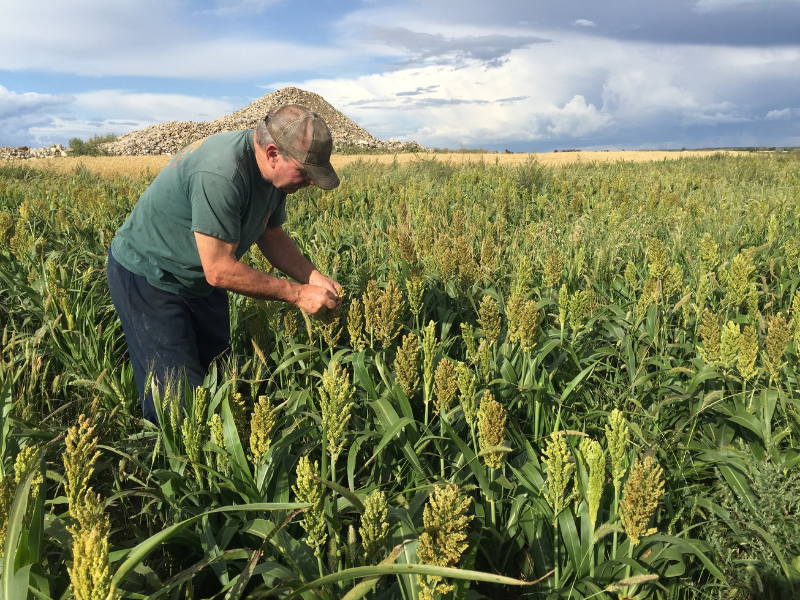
(213, 186)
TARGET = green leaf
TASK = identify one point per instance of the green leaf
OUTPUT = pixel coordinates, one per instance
(354, 500)
(361, 373)
(243, 578)
(352, 457)
(359, 572)
(189, 573)
(738, 482)
(569, 533)
(575, 381)
(472, 460)
(14, 583)
(387, 416)
(691, 546)
(238, 462)
(138, 553)
(767, 537)
(398, 425)
(6, 404)
(288, 362)
(361, 589)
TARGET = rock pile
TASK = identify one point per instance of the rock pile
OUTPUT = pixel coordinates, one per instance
(24, 152)
(168, 138)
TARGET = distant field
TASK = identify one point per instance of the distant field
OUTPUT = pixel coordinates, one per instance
(137, 164)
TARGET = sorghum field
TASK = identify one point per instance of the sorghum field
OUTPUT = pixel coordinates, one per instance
(545, 382)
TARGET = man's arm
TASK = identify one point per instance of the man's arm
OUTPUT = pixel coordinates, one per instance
(282, 253)
(223, 270)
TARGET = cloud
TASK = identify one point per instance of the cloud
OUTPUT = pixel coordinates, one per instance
(38, 119)
(16, 105)
(439, 72)
(149, 108)
(580, 90)
(726, 5)
(238, 8)
(782, 115)
(148, 38)
(577, 119)
(20, 112)
(713, 119)
(426, 48)
(418, 91)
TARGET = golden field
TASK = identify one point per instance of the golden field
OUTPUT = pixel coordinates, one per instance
(134, 165)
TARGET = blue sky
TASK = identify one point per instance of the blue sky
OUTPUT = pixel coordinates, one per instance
(519, 74)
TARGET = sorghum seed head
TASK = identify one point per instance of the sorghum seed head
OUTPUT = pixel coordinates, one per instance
(617, 437)
(445, 385)
(374, 526)
(489, 319)
(640, 496)
(491, 429)
(262, 423)
(406, 364)
(309, 490)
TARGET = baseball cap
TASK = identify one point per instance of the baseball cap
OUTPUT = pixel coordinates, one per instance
(304, 136)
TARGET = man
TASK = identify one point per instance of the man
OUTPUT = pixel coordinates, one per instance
(172, 261)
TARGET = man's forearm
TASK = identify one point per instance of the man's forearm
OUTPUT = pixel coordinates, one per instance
(282, 253)
(245, 280)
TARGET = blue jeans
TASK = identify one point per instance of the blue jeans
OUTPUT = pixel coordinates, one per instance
(167, 335)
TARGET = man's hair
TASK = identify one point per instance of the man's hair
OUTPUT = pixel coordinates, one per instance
(263, 136)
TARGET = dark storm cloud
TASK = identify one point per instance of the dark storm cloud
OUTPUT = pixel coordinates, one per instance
(707, 23)
(714, 22)
(422, 48)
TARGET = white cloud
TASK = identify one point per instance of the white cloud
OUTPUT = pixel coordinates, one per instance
(577, 119)
(41, 119)
(21, 112)
(148, 38)
(577, 87)
(584, 23)
(151, 108)
(15, 105)
(782, 115)
(718, 118)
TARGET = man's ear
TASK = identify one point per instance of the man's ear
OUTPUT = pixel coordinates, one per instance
(273, 154)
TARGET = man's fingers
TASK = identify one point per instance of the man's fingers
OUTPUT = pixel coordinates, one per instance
(333, 301)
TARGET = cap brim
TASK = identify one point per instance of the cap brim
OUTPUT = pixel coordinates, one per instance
(323, 176)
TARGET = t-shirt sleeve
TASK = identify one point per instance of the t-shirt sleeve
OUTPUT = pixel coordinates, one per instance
(216, 206)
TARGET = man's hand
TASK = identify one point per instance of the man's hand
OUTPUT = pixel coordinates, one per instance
(317, 278)
(316, 300)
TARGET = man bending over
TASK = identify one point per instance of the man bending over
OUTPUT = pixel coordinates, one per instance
(172, 261)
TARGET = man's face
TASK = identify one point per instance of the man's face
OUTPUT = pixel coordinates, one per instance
(285, 173)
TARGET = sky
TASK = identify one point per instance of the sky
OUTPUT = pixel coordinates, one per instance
(522, 75)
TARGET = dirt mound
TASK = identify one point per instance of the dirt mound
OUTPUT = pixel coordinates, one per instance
(168, 138)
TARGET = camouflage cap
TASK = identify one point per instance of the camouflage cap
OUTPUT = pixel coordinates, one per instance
(304, 136)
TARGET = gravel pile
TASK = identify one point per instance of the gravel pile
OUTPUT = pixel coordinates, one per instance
(7, 152)
(168, 138)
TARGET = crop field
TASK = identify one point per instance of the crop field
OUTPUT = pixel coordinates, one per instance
(136, 165)
(546, 381)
